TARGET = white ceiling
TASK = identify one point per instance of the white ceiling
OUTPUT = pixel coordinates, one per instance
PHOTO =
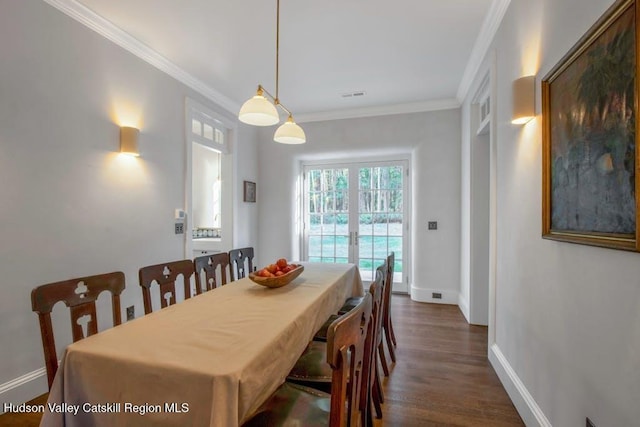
(397, 52)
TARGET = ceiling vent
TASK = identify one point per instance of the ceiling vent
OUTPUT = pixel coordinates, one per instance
(353, 94)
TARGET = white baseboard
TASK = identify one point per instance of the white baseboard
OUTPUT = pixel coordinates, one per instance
(527, 407)
(24, 388)
(426, 295)
(463, 304)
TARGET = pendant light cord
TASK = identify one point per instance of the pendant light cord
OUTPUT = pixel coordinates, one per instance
(277, 100)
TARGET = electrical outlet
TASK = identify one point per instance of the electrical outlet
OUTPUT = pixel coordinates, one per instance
(131, 313)
(433, 225)
(590, 423)
(436, 295)
(179, 227)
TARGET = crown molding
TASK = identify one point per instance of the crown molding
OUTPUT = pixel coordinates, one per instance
(385, 110)
(107, 29)
(488, 31)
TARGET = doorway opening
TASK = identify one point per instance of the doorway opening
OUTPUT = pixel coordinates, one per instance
(209, 183)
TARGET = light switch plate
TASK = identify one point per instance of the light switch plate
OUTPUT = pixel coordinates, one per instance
(433, 225)
(179, 228)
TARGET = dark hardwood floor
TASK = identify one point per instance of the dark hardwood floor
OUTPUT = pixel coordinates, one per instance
(26, 419)
(442, 376)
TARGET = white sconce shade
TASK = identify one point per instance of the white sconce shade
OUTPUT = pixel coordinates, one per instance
(258, 111)
(290, 133)
(129, 141)
(524, 92)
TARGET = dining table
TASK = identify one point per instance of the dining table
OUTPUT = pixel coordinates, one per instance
(210, 360)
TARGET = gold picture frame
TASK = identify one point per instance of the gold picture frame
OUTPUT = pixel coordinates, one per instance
(590, 160)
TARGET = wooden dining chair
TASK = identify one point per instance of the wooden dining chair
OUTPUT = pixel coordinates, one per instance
(321, 334)
(206, 268)
(385, 299)
(295, 405)
(387, 326)
(311, 370)
(165, 275)
(241, 262)
(80, 296)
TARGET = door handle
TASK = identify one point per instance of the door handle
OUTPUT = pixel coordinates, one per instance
(353, 238)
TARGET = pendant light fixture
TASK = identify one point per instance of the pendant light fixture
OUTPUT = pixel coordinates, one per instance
(260, 111)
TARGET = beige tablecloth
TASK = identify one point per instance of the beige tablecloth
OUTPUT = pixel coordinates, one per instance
(207, 361)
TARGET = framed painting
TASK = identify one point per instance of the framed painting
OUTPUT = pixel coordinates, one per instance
(249, 191)
(590, 160)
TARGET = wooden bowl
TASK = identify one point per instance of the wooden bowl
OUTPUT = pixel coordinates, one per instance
(279, 281)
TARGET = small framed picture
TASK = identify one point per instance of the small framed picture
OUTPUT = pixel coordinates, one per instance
(250, 191)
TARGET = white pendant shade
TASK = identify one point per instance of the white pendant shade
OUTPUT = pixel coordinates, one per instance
(290, 133)
(258, 111)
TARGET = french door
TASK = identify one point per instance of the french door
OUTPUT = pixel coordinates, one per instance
(358, 213)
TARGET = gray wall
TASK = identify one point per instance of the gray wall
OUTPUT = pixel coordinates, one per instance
(71, 206)
(567, 322)
(433, 141)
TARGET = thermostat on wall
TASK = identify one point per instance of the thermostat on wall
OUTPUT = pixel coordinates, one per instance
(180, 214)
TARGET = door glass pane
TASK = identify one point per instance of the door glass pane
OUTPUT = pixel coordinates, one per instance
(380, 219)
(314, 224)
(342, 247)
(315, 246)
(314, 202)
(314, 180)
(328, 246)
(328, 224)
(327, 215)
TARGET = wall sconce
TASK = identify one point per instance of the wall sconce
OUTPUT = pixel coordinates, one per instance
(524, 93)
(129, 141)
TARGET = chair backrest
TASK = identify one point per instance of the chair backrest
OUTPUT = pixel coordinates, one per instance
(241, 262)
(206, 267)
(386, 299)
(80, 296)
(165, 276)
(382, 285)
(346, 348)
(376, 290)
